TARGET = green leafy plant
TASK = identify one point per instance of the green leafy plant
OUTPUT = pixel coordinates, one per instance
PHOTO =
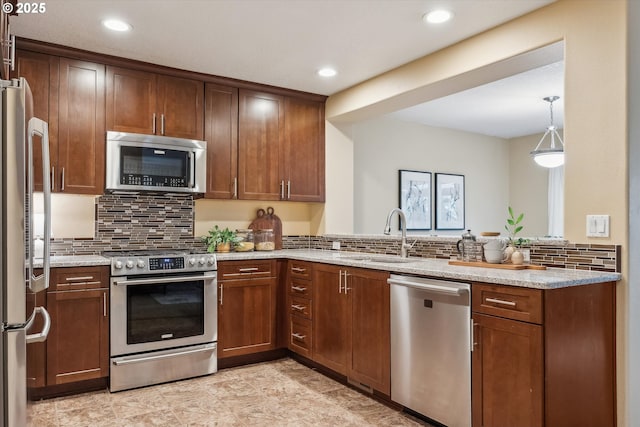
(513, 227)
(218, 236)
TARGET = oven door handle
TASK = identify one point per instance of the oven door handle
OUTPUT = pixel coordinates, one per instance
(163, 356)
(126, 282)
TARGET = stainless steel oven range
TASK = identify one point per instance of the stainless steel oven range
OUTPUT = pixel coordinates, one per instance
(163, 317)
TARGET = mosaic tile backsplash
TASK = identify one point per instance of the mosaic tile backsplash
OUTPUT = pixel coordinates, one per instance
(155, 221)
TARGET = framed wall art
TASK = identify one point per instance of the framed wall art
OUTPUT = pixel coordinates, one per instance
(415, 199)
(449, 201)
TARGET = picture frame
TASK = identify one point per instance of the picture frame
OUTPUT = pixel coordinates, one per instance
(415, 198)
(450, 201)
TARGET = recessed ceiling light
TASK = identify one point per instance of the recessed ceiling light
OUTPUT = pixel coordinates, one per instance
(116, 25)
(437, 16)
(327, 72)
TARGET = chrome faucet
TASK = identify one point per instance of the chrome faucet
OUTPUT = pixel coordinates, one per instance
(404, 246)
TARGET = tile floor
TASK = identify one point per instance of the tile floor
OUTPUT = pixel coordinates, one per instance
(279, 393)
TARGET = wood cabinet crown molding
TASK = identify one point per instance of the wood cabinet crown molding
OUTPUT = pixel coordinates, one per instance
(84, 55)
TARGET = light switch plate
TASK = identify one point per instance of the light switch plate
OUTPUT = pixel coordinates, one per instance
(597, 225)
(335, 245)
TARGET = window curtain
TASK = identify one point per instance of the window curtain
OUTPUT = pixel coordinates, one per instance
(556, 202)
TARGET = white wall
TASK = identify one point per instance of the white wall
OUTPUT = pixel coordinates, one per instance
(383, 146)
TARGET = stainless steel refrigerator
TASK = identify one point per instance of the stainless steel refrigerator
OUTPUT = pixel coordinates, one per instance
(17, 252)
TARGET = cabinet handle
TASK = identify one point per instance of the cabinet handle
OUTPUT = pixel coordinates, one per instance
(346, 289)
(53, 177)
(473, 335)
(62, 183)
(298, 336)
(235, 187)
(340, 283)
(298, 288)
(104, 304)
(298, 307)
(282, 190)
(221, 293)
(162, 124)
(78, 278)
(153, 124)
(288, 189)
(298, 269)
(248, 269)
(501, 302)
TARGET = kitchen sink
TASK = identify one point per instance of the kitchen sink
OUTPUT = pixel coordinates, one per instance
(393, 259)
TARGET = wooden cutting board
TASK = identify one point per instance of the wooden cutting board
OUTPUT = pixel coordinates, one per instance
(268, 220)
(503, 266)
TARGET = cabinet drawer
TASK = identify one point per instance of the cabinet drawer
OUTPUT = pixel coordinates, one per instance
(508, 301)
(300, 269)
(300, 338)
(301, 288)
(230, 270)
(76, 278)
(300, 307)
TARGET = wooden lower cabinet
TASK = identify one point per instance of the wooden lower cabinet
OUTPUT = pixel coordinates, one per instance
(246, 307)
(77, 347)
(351, 326)
(543, 357)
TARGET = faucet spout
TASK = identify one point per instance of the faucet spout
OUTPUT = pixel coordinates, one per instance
(404, 247)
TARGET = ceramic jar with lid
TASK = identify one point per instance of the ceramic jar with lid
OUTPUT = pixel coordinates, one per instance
(245, 241)
(264, 239)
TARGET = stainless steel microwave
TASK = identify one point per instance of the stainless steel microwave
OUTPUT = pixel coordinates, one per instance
(137, 162)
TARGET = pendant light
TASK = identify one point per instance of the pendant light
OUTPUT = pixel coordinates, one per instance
(554, 155)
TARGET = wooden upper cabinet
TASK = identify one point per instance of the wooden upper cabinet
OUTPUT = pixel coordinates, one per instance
(81, 137)
(221, 134)
(180, 105)
(131, 100)
(148, 103)
(41, 73)
(260, 132)
(304, 150)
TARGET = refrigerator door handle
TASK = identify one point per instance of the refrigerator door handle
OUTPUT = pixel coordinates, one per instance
(42, 335)
(41, 128)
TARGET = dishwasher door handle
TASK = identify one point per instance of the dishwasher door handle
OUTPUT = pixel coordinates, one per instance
(447, 290)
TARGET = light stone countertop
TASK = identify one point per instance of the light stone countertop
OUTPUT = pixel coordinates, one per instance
(540, 279)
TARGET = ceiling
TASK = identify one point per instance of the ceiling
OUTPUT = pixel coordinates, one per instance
(284, 42)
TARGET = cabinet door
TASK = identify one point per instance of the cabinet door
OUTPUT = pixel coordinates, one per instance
(221, 134)
(180, 106)
(81, 143)
(304, 150)
(246, 316)
(131, 101)
(370, 362)
(260, 132)
(41, 72)
(331, 329)
(507, 366)
(78, 341)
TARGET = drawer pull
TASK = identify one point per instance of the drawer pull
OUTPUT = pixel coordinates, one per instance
(78, 279)
(298, 307)
(298, 288)
(501, 302)
(298, 336)
(298, 269)
(248, 269)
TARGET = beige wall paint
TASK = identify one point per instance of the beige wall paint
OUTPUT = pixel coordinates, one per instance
(595, 99)
(72, 215)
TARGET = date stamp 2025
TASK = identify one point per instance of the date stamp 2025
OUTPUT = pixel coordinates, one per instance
(23, 8)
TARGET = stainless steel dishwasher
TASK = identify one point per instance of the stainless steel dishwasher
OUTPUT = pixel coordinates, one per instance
(431, 348)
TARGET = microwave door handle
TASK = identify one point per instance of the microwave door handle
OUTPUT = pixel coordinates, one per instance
(192, 174)
(40, 128)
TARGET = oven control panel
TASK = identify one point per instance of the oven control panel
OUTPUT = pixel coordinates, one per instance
(145, 264)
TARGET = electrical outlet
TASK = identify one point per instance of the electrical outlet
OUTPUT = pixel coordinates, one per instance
(335, 246)
(597, 225)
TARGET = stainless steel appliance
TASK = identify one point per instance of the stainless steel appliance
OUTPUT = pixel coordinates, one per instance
(431, 348)
(163, 317)
(137, 162)
(16, 189)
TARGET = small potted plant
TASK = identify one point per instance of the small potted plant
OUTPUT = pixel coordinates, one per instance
(513, 227)
(219, 240)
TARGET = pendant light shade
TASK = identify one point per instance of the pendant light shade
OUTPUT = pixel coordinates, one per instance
(553, 156)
